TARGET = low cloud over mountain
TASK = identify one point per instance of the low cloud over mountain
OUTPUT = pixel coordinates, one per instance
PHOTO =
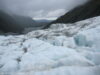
(88, 10)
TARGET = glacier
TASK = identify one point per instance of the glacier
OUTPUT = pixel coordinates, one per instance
(62, 49)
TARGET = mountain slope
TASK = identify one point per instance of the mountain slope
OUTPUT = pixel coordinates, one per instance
(14, 23)
(88, 10)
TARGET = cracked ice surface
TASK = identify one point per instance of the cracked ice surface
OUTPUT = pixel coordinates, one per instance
(62, 49)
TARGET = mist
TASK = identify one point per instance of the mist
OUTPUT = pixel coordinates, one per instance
(17, 15)
(39, 8)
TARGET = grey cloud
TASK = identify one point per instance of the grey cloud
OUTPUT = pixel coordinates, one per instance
(39, 8)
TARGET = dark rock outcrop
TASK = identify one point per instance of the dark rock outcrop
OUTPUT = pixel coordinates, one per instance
(14, 23)
(88, 10)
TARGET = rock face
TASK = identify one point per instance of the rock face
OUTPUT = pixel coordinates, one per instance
(88, 10)
(14, 23)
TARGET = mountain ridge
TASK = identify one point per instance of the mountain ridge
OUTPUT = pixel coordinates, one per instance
(88, 10)
(14, 23)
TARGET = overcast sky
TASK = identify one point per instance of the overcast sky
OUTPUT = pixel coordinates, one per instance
(39, 8)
